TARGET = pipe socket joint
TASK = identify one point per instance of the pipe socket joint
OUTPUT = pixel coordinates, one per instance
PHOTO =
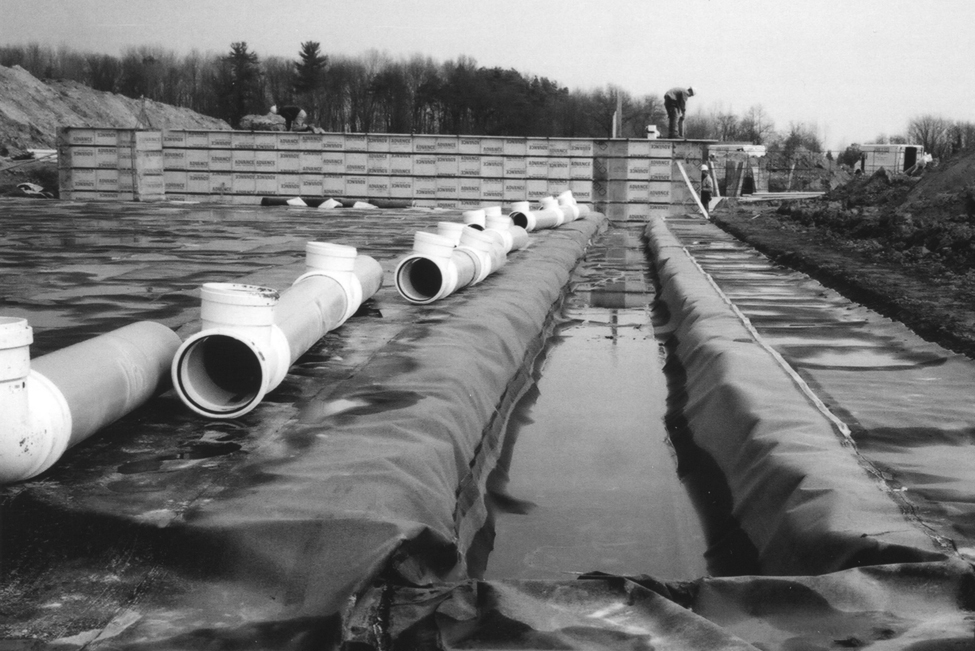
(430, 272)
(225, 370)
(335, 261)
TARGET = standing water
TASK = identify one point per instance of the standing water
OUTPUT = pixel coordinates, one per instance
(592, 481)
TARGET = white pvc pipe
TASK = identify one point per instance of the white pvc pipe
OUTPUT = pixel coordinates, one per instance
(443, 263)
(251, 335)
(60, 399)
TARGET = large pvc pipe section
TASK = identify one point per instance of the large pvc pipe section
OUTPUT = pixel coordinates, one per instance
(58, 400)
(456, 256)
(252, 335)
(553, 212)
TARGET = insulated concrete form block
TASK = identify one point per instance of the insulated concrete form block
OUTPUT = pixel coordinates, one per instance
(469, 165)
(425, 165)
(265, 161)
(515, 189)
(333, 185)
(289, 161)
(221, 140)
(197, 139)
(83, 157)
(447, 204)
(515, 167)
(289, 185)
(198, 182)
(221, 182)
(149, 163)
(428, 204)
(401, 164)
(581, 148)
(559, 168)
(356, 186)
(174, 139)
(492, 190)
(492, 146)
(312, 142)
(311, 185)
(325, 142)
(197, 160)
(356, 142)
(82, 179)
(401, 187)
(447, 187)
(356, 162)
(425, 188)
(581, 189)
(243, 160)
(661, 169)
(106, 180)
(581, 168)
(469, 146)
(559, 147)
(660, 191)
(266, 141)
(661, 149)
(515, 147)
(106, 157)
(244, 183)
(266, 183)
(378, 163)
(288, 141)
(426, 145)
(377, 187)
(469, 188)
(536, 147)
(492, 167)
(536, 167)
(333, 162)
(535, 189)
(447, 164)
(448, 145)
(221, 160)
(400, 145)
(174, 159)
(78, 137)
(241, 140)
(311, 162)
(377, 144)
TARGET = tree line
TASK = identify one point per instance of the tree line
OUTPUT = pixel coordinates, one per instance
(376, 93)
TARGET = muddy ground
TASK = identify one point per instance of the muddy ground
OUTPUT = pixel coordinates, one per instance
(938, 305)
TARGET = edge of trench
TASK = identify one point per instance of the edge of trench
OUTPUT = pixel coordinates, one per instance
(798, 489)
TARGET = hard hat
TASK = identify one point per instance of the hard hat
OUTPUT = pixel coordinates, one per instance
(690, 91)
(274, 109)
(704, 168)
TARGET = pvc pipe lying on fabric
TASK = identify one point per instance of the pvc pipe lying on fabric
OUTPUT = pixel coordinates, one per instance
(552, 213)
(456, 256)
(58, 400)
(252, 335)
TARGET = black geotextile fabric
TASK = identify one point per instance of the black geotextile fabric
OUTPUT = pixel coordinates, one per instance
(911, 607)
(797, 491)
(365, 481)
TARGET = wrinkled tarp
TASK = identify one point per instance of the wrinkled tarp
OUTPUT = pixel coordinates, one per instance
(799, 495)
(918, 607)
(365, 478)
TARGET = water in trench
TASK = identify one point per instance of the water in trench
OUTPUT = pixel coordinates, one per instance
(591, 482)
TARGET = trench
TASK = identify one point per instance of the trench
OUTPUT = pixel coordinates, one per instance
(589, 480)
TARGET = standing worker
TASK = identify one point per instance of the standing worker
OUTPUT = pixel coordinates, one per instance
(707, 187)
(291, 114)
(675, 101)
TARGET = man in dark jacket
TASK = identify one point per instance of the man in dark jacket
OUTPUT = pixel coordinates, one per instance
(675, 101)
(291, 114)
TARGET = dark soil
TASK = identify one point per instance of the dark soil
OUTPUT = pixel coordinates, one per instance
(903, 246)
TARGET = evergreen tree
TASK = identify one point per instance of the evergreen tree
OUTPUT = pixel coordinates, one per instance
(240, 80)
(310, 78)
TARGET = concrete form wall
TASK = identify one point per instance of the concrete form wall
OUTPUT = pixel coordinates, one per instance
(626, 179)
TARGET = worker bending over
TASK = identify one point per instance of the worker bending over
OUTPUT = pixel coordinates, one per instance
(291, 114)
(675, 101)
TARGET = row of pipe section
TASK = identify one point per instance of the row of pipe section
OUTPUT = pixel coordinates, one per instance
(249, 338)
(462, 254)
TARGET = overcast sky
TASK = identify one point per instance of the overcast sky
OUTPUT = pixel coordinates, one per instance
(854, 68)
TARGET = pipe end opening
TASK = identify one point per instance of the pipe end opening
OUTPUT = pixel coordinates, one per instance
(220, 376)
(519, 218)
(419, 280)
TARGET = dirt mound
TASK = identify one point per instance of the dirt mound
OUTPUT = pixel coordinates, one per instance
(32, 110)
